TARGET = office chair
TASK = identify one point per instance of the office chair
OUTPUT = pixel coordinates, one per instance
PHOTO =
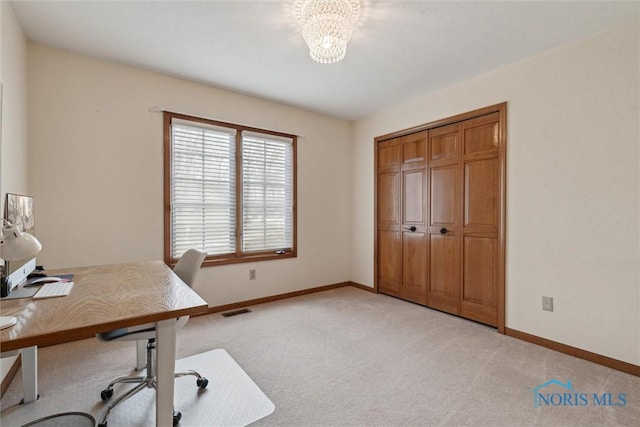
(186, 269)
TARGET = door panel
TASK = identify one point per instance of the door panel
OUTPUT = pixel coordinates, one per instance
(388, 199)
(389, 262)
(414, 250)
(413, 193)
(444, 143)
(388, 157)
(481, 138)
(389, 240)
(443, 290)
(481, 135)
(444, 286)
(444, 194)
(414, 147)
(480, 282)
(480, 268)
(414, 259)
(480, 193)
(481, 199)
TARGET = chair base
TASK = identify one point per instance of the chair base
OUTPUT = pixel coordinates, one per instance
(148, 381)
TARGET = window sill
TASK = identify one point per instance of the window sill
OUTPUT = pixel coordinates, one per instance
(215, 261)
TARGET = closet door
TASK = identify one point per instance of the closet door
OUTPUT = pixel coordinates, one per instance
(389, 255)
(444, 218)
(402, 251)
(414, 247)
(441, 217)
(480, 220)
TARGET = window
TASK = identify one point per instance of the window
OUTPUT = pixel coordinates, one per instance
(229, 191)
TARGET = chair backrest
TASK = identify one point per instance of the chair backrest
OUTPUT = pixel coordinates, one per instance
(188, 265)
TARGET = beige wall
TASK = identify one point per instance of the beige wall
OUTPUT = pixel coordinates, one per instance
(13, 143)
(572, 187)
(14, 178)
(96, 172)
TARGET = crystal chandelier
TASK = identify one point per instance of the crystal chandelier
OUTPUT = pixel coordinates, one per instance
(327, 27)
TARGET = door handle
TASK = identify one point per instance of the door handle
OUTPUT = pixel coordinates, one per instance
(412, 228)
(443, 230)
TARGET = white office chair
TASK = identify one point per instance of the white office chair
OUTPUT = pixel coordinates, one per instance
(186, 269)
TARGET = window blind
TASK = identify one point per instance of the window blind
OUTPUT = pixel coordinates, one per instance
(267, 192)
(203, 194)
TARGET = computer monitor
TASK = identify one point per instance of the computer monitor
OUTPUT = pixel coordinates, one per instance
(19, 209)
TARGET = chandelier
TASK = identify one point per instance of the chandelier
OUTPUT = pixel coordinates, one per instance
(327, 27)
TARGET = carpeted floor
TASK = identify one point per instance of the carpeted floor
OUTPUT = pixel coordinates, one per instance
(350, 357)
(230, 399)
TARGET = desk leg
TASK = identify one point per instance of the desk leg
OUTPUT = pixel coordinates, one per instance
(141, 355)
(30, 373)
(166, 366)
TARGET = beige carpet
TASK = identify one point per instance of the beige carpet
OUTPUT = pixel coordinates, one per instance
(230, 399)
(350, 357)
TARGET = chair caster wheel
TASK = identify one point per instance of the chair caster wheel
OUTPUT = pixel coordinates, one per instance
(106, 395)
(177, 416)
(202, 382)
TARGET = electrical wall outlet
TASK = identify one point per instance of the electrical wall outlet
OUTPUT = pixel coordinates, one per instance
(547, 303)
(252, 274)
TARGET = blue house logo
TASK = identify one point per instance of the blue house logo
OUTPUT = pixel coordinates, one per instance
(540, 398)
(568, 396)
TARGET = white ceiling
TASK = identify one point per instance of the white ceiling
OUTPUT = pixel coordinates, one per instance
(400, 49)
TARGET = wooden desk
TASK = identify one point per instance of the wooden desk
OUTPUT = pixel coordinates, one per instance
(105, 298)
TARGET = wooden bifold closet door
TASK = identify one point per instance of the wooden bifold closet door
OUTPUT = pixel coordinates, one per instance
(401, 217)
(440, 215)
